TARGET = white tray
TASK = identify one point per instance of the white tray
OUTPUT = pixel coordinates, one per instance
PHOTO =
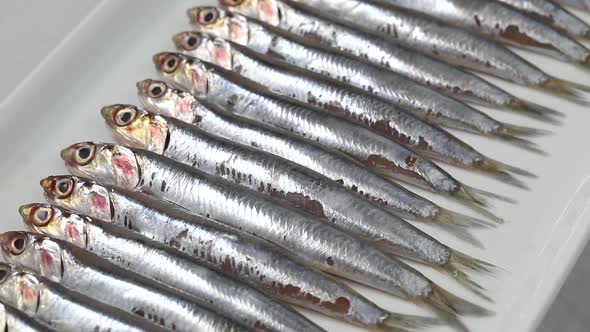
(111, 49)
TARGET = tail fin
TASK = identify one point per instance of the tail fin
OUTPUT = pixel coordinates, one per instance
(513, 130)
(406, 323)
(566, 89)
(507, 137)
(534, 111)
(481, 195)
(456, 267)
(502, 172)
(448, 306)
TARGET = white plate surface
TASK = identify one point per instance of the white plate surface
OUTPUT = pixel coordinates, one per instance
(102, 59)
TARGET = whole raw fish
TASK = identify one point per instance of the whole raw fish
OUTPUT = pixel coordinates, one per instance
(343, 99)
(424, 101)
(280, 179)
(317, 243)
(312, 28)
(164, 264)
(440, 40)
(501, 22)
(60, 308)
(89, 275)
(223, 249)
(161, 98)
(231, 91)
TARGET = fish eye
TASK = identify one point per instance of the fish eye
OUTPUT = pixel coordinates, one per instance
(231, 2)
(84, 154)
(42, 216)
(63, 187)
(171, 63)
(17, 245)
(124, 116)
(191, 42)
(157, 89)
(208, 16)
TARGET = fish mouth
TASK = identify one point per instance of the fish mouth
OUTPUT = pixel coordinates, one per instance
(26, 211)
(193, 14)
(143, 86)
(108, 113)
(46, 184)
(178, 40)
(159, 59)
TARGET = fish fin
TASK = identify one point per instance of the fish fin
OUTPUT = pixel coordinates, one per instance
(473, 199)
(521, 143)
(452, 304)
(502, 172)
(463, 278)
(480, 195)
(514, 130)
(401, 322)
(534, 110)
(454, 219)
(565, 88)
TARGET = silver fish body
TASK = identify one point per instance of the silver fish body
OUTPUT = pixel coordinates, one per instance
(63, 309)
(553, 14)
(423, 101)
(308, 153)
(281, 179)
(390, 155)
(440, 40)
(134, 252)
(363, 46)
(578, 4)
(14, 320)
(355, 104)
(315, 242)
(501, 22)
(87, 274)
(237, 254)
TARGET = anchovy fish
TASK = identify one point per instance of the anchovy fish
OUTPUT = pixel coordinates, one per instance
(501, 22)
(440, 40)
(312, 28)
(14, 320)
(229, 90)
(224, 249)
(317, 243)
(138, 254)
(355, 104)
(281, 179)
(423, 101)
(62, 309)
(579, 4)
(161, 98)
(553, 14)
(87, 274)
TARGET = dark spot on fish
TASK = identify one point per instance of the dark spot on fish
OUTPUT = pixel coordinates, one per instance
(258, 326)
(477, 21)
(163, 187)
(513, 33)
(329, 261)
(410, 160)
(300, 201)
(232, 100)
(138, 312)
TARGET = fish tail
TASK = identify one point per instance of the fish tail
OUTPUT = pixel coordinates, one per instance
(443, 301)
(565, 88)
(534, 110)
(406, 323)
(520, 142)
(479, 195)
(503, 172)
(465, 280)
(514, 130)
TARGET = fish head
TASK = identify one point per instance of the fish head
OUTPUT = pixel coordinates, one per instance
(33, 252)
(135, 127)
(20, 289)
(204, 47)
(183, 71)
(264, 10)
(55, 222)
(106, 163)
(162, 98)
(77, 194)
(216, 22)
